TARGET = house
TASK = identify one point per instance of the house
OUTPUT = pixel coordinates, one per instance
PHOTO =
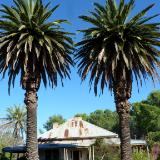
(72, 140)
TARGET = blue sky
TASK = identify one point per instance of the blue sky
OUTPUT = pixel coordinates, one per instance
(74, 97)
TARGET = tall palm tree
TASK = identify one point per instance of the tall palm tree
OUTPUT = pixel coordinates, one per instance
(36, 49)
(115, 51)
(14, 122)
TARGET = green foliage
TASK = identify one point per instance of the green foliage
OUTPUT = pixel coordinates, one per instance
(116, 46)
(32, 44)
(13, 126)
(54, 119)
(102, 118)
(105, 152)
(14, 122)
(105, 119)
(154, 98)
(83, 115)
(140, 155)
(145, 118)
(3, 158)
(153, 138)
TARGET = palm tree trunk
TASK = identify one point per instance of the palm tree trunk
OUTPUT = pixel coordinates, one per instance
(122, 93)
(31, 103)
(126, 151)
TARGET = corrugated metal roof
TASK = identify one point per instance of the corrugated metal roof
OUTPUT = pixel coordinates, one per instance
(134, 142)
(76, 128)
(72, 144)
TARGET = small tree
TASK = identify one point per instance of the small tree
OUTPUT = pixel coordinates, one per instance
(154, 98)
(53, 119)
(14, 122)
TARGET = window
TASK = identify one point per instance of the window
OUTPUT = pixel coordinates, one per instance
(48, 154)
(75, 155)
(52, 154)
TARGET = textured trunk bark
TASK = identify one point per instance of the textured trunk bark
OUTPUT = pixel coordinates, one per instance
(126, 150)
(31, 103)
(122, 92)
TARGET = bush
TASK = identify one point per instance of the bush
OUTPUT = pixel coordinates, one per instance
(105, 152)
(4, 158)
(153, 138)
(140, 155)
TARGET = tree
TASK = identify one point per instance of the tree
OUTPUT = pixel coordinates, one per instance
(36, 49)
(14, 122)
(84, 116)
(53, 119)
(117, 50)
(154, 98)
(145, 118)
(104, 118)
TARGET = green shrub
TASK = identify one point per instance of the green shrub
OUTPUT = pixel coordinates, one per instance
(153, 138)
(140, 155)
(4, 158)
(105, 152)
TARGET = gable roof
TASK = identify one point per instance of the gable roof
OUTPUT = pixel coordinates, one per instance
(76, 128)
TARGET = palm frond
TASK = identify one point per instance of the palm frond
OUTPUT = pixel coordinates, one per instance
(29, 42)
(116, 46)
(12, 123)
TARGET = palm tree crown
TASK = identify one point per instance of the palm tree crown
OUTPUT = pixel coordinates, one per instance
(117, 46)
(15, 121)
(29, 43)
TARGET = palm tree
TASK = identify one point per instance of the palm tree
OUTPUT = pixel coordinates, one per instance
(36, 49)
(117, 50)
(14, 122)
